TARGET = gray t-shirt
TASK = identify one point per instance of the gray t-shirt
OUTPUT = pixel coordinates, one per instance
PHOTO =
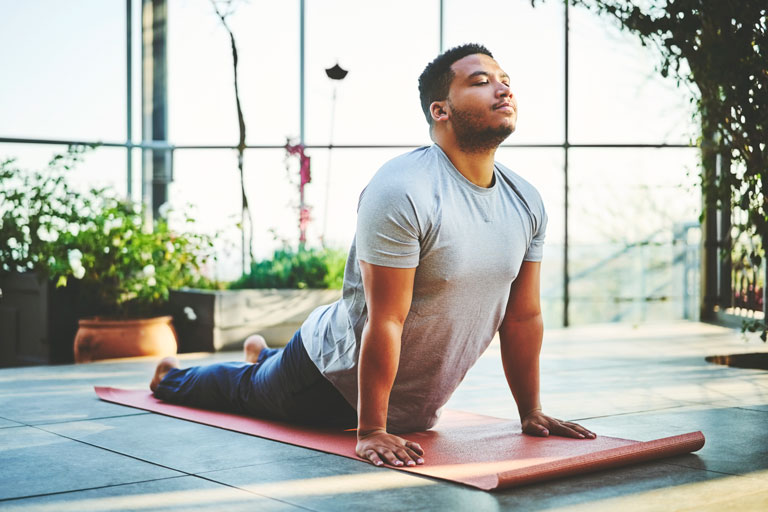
(467, 244)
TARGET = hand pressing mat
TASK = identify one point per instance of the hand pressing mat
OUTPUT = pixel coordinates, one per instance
(481, 451)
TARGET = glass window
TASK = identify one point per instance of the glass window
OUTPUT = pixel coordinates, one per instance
(272, 188)
(629, 214)
(384, 46)
(350, 172)
(530, 47)
(616, 93)
(207, 185)
(201, 94)
(543, 168)
(99, 167)
(63, 66)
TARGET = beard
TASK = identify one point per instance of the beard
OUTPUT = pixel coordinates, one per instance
(473, 136)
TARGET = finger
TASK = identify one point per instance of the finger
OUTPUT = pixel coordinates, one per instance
(405, 455)
(415, 456)
(390, 457)
(578, 428)
(374, 458)
(415, 447)
(536, 429)
(564, 430)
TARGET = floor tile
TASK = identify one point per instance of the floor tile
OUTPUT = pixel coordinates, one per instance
(36, 462)
(58, 404)
(4, 423)
(736, 439)
(182, 445)
(591, 490)
(169, 494)
(715, 494)
(332, 483)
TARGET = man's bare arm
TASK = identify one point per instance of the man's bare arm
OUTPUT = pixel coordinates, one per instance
(388, 293)
(521, 335)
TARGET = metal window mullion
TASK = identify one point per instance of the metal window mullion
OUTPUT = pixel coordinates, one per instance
(566, 276)
(129, 97)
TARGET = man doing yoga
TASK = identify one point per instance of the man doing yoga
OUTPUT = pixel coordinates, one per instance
(446, 254)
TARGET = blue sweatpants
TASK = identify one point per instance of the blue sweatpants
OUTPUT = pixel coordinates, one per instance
(284, 384)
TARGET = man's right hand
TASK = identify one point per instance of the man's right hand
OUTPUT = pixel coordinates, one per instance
(380, 447)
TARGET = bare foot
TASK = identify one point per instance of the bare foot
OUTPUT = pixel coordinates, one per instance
(163, 367)
(253, 346)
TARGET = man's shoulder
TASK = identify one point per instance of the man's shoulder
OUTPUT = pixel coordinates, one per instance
(518, 183)
(411, 172)
(406, 184)
(411, 164)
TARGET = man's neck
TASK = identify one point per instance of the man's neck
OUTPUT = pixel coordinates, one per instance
(476, 167)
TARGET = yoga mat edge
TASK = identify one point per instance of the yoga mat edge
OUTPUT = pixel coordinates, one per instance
(597, 461)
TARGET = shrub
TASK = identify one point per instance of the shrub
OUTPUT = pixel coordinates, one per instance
(305, 268)
(94, 240)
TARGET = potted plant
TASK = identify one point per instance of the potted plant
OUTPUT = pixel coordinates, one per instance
(97, 246)
(125, 273)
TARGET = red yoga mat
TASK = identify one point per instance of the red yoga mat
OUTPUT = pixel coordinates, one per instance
(481, 451)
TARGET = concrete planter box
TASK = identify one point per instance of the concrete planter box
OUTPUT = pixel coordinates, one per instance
(37, 321)
(222, 319)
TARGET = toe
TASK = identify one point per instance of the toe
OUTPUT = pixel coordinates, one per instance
(253, 346)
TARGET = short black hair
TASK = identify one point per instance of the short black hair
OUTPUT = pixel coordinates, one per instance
(436, 78)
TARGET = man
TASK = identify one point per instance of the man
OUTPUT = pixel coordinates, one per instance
(446, 254)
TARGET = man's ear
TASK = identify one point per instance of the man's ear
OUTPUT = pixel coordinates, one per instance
(439, 111)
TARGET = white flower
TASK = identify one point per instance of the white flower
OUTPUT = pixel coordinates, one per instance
(164, 209)
(148, 270)
(78, 272)
(191, 316)
(111, 224)
(75, 257)
(151, 281)
(47, 235)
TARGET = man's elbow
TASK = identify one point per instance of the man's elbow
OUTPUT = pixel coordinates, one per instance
(530, 318)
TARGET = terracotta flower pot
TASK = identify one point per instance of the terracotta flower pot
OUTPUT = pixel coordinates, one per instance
(104, 338)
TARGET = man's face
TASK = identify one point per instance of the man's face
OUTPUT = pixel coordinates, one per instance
(482, 110)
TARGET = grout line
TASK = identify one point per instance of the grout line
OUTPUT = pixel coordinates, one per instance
(141, 413)
(183, 473)
(86, 489)
(114, 451)
(254, 493)
(748, 408)
(310, 456)
(745, 475)
(631, 412)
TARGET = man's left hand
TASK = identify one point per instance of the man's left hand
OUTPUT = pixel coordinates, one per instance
(536, 423)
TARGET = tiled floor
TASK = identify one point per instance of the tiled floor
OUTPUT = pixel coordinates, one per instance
(63, 449)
